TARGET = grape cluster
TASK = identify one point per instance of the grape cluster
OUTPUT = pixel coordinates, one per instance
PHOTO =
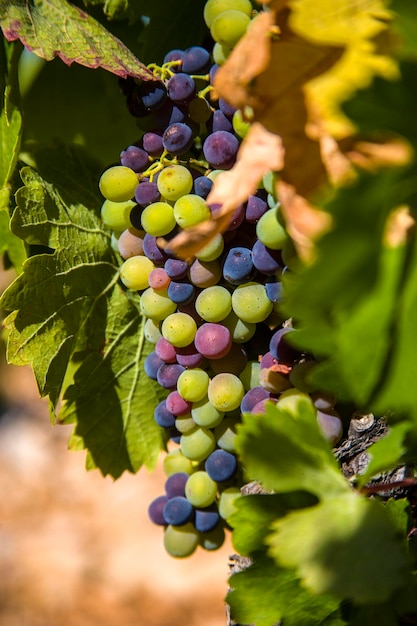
(219, 342)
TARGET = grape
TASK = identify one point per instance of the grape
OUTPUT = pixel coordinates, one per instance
(233, 362)
(240, 125)
(270, 232)
(177, 510)
(229, 26)
(152, 250)
(268, 360)
(190, 356)
(196, 60)
(152, 364)
(130, 243)
(213, 539)
(213, 340)
(181, 88)
(177, 138)
(238, 267)
(156, 304)
(213, 72)
(221, 53)
(174, 55)
(152, 331)
(250, 302)
(180, 292)
(225, 433)
(162, 416)
(227, 502)
(220, 122)
(134, 157)
(159, 279)
(175, 268)
(118, 183)
(116, 215)
(300, 376)
(220, 465)
(213, 304)
(152, 95)
(190, 210)
(184, 423)
(323, 401)
(205, 274)
(200, 489)
(250, 375)
(226, 391)
(179, 329)
(226, 108)
(192, 384)
(156, 510)
(177, 405)
(205, 414)
(202, 186)
(212, 250)
(252, 397)
(175, 462)
(256, 206)
(273, 381)
(241, 331)
(274, 290)
(197, 445)
(265, 260)
(206, 519)
(292, 401)
(135, 271)
(199, 110)
(147, 193)
(170, 113)
(280, 349)
(330, 425)
(220, 149)
(168, 374)
(181, 541)
(213, 8)
(152, 142)
(174, 181)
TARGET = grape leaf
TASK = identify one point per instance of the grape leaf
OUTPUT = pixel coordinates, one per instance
(345, 545)
(263, 594)
(58, 28)
(405, 26)
(69, 307)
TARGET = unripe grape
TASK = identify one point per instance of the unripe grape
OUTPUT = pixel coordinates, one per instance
(200, 489)
(135, 271)
(118, 183)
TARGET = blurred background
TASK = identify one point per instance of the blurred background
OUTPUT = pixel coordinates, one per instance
(77, 549)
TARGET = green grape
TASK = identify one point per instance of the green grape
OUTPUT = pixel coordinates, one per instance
(118, 183)
(197, 444)
(300, 376)
(213, 8)
(174, 181)
(250, 375)
(156, 304)
(185, 423)
(212, 250)
(275, 382)
(225, 433)
(213, 539)
(190, 210)
(240, 125)
(214, 303)
(270, 232)
(134, 272)
(220, 53)
(251, 303)
(205, 414)
(227, 502)
(179, 329)
(200, 489)
(226, 391)
(268, 182)
(241, 331)
(229, 26)
(152, 331)
(116, 215)
(181, 541)
(158, 219)
(175, 462)
(199, 110)
(294, 401)
(214, 173)
(192, 384)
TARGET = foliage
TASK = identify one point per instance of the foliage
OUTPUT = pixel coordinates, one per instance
(335, 81)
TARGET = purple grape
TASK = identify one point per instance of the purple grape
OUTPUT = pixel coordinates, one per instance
(181, 88)
(177, 405)
(213, 72)
(175, 484)
(238, 266)
(220, 465)
(175, 435)
(190, 356)
(268, 360)
(163, 417)
(202, 186)
(177, 511)
(152, 364)
(226, 108)
(205, 274)
(213, 340)
(156, 510)
(219, 121)
(177, 138)
(168, 374)
(152, 94)
(175, 268)
(266, 260)
(252, 397)
(152, 142)
(274, 290)
(220, 149)
(165, 351)
(259, 408)
(152, 250)
(280, 349)
(196, 60)
(255, 208)
(134, 157)
(174, 55)
(147, 193)
(170, 113)
(206, 519)
(180, 292)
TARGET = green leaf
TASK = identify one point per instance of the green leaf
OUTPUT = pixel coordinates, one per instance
(69, 308)
(288, 453)
(345, 546)
(405, 26)
(56, 28)
(9, 243)
(263, 594)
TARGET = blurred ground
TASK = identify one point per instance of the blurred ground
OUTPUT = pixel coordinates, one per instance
(77, 549)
